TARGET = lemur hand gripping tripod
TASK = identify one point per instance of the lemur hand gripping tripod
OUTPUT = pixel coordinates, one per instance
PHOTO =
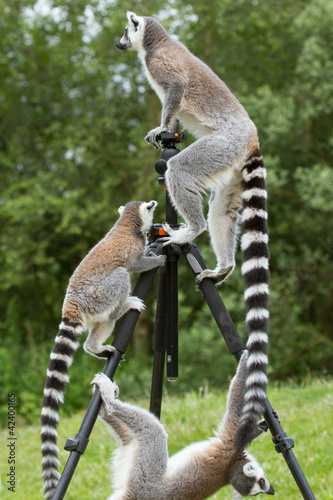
(165, 341)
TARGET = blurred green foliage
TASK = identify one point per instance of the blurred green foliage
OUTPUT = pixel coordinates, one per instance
(73, 115)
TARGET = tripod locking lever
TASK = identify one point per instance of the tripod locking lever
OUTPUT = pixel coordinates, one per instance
(79, 443)
(282, 442)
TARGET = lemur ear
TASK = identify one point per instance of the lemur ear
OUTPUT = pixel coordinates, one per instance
(121, 209)
(236, 495)
(133, 18)
(249, 470)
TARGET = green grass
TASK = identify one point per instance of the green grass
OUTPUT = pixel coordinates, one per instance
(306, 413)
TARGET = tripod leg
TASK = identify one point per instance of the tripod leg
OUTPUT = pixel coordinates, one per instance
(235, 345)
(166, 330)
(122, 338)
(172, 316)
(159, 346)
(214, 301)
(283, 444)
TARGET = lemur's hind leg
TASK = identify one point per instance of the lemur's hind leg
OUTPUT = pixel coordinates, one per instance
(223, 227)
(96, 338)
(182, 186)
(142, 424)
(111, 302)
(109, 392)
(206, 164)
(142, 460)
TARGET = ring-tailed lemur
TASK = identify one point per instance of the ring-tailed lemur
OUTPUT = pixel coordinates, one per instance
(143, 471)
(225, 159)
(97, 295)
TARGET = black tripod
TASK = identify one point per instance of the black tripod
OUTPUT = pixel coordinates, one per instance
(165, 342)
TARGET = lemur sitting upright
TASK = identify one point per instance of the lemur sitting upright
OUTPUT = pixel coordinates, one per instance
(225, 160)
(143, 470)
(97, 295)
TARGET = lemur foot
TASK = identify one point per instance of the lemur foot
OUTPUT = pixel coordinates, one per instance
(135, 303)
(218, 275)
(169, 229)
(102, 351)
(179, 236)
(263, 426)
(108, 389)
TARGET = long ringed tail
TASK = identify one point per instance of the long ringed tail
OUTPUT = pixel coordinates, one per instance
(255, 271)
(66, 343)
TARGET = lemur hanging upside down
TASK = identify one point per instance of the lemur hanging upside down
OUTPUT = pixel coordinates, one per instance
(226, 160)
(143, 470)
(97, 295)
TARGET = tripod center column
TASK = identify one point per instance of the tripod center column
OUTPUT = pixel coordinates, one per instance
(161, 167)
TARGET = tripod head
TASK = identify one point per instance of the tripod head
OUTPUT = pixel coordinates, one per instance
(168, 140)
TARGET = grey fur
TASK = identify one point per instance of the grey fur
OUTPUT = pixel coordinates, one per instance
(225, 160)
(191, 92)
(97, 295)
(143, 470)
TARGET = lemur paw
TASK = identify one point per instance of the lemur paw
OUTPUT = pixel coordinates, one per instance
(136, 303)
(103, 351)
(108, 389)
(179, 236)
(168, 229)
(153, 138)
(217, 275)
(160, 259)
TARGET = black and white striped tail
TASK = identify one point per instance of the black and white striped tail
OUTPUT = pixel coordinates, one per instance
(66, 343)
(255, 271)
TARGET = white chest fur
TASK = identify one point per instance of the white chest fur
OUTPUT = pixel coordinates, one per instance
(158, 89)
(187, 118)
(192, 124)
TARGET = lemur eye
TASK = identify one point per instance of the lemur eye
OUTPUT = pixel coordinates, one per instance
(261, 482)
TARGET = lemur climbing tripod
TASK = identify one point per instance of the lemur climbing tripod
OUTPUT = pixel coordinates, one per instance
(165, 341)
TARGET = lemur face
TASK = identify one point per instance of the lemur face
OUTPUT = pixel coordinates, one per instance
(248, 479)
(145, 211)
(147, 214)
(133, 36)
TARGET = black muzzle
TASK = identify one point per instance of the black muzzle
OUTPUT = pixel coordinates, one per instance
(121, 46)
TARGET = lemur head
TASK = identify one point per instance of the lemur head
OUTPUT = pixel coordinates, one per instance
(134, 32)
(248, 478)
(147, 214)
(140, 213)
(141, 33)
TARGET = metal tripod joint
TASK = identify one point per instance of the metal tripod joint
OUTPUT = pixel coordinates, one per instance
(79, 444)
(282, 442)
